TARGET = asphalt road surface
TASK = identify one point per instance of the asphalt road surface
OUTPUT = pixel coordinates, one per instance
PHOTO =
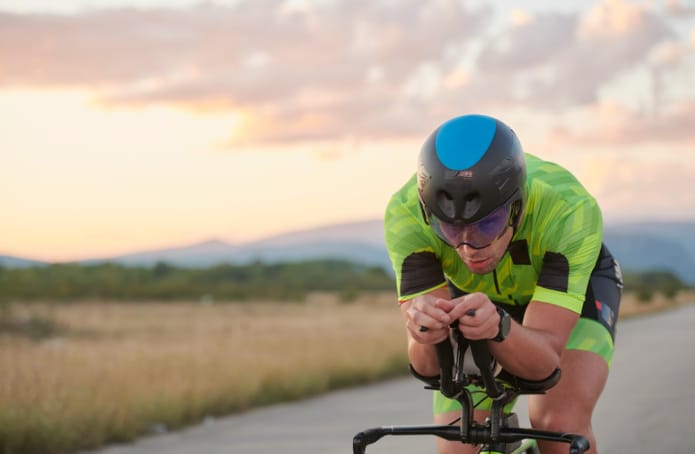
(648, 406)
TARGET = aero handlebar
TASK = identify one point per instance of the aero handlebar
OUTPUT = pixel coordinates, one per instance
(501, 387)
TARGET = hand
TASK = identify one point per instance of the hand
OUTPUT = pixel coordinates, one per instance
(426, 319)
(484, 324)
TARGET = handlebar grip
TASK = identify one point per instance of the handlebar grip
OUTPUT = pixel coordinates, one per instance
(483, 359)
(445, 356)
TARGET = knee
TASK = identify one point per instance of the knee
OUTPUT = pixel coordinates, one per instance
(570, 418)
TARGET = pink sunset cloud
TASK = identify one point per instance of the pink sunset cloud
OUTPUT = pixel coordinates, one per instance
(369, 70)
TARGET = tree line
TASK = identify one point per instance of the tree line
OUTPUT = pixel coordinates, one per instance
(254, 281)
(168, 282)
(647, 283)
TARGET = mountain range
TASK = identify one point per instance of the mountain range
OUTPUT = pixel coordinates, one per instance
(638, 247)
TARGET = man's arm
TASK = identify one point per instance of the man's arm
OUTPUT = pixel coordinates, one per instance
(533, 350)
(424, 310)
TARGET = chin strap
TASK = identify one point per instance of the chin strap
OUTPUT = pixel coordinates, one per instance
(517, 211)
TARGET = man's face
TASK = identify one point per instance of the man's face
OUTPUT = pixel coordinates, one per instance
(483, 261)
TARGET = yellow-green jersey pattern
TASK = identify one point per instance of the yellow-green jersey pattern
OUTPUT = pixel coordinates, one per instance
(550, 257)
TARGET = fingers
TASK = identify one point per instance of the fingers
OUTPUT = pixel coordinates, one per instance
(445, 305)
(426, 335)
(427, 319)
(427, 313)
(477, 316)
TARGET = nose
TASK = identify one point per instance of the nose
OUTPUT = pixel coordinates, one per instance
(472, 238)
(466, 250)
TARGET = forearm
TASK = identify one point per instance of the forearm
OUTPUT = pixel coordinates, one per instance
(533, 350)
(527, 352)
(423, 358)
(423, 311)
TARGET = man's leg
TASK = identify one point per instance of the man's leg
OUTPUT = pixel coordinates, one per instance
(568, 406)
(455, 447)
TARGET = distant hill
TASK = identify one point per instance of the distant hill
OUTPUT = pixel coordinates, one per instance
(648, 246)
(361, 242)
(8, 261)
(638, 247)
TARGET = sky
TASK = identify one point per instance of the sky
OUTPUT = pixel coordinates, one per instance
(132, 125)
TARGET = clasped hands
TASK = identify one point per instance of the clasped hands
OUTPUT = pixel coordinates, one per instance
(429, 317)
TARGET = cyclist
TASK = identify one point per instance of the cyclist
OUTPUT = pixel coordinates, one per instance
(484, 227)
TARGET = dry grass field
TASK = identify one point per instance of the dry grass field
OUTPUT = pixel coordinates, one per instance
(114, 371)
(84, 374)
(630, 306)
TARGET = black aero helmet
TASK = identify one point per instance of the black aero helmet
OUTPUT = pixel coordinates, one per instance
(468, 167)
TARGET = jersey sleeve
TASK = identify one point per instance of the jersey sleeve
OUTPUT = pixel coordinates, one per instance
(572, 237)
(412, 248)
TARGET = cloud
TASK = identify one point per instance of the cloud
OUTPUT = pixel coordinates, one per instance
(679, 9)
(256, 56)
(614, 125)
(331, 70)
(563, 60)
(629, 186)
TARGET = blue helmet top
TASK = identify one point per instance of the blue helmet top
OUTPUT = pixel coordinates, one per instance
(468, 167)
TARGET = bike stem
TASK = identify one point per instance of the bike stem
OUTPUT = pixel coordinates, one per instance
(455, 387)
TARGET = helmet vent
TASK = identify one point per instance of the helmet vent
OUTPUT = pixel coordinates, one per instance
(446, 203)
(471, 205)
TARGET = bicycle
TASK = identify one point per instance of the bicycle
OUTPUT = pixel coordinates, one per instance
(499, 433)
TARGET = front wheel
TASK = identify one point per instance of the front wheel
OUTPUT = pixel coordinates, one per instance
(528, 446)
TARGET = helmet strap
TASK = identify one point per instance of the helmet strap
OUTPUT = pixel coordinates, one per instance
(426, 213)
(515, 215)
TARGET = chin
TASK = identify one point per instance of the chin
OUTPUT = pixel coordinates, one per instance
(481, 268)
(482, 271)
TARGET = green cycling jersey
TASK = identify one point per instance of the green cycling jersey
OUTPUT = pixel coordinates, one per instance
(550, 258)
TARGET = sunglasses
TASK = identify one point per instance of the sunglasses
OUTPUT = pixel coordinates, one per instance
(479, 234)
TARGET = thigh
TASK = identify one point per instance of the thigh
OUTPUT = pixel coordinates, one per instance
(455, 447)
(569, 405)
(481, 401)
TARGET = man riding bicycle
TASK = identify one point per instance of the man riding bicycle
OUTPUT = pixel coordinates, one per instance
(507, 247)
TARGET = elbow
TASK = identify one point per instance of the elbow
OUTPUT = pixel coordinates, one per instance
(549, 366)
(544, 363)
(539, 369)
(551, 358)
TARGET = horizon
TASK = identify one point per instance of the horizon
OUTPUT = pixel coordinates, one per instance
(309, 229)
(139, 124)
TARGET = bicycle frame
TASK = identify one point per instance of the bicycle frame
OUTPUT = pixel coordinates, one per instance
(495, 434)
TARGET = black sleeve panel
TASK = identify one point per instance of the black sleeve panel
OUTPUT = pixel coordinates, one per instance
(420, 271)
(518, 251)
(555, 272)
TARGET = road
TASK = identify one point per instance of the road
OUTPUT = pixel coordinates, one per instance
(648, 406)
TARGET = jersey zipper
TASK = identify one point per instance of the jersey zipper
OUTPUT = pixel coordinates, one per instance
(497, 285)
